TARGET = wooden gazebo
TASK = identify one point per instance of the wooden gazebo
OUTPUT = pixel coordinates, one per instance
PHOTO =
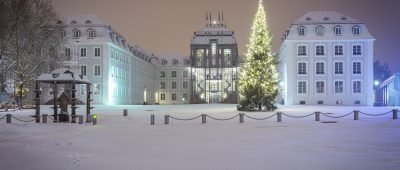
(63, 76)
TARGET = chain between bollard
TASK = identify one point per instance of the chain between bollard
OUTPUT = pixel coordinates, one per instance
(184, 119)
(3, 117)
(376, 114)
(259, 118)
(336, 116)
(223, 119)
(297, 116)
(19, 118)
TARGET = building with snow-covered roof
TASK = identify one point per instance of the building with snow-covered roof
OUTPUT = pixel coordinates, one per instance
(214, 61)
(327, 58)
(120, 73)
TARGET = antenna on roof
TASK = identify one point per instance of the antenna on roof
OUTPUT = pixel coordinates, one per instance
(223, 21)
(206, 19)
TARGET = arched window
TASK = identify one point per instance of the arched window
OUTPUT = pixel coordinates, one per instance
(337, 30)
(164, 62)
(92, 33)
(301, 30)
(175, 62)
(356, 30)
(319, 30)
(76, 33)
(186, 62)
(61, 33)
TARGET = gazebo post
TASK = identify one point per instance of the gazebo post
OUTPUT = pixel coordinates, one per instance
(55, 91)
(88, 100)
(37, 102)
(73, 103)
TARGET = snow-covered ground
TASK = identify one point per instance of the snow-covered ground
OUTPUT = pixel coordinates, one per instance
(118, 142)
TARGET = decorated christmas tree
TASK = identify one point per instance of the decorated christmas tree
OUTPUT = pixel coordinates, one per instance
(258, 81)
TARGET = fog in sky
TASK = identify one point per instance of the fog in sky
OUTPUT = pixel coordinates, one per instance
(166, 26)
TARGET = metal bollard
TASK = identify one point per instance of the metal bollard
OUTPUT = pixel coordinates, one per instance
(203, 118)
(317, 116)
(44, 118)
(125, 112)
(152, 119)
(279, 116)
(94, 119)
(80, 119)
(356, 112)
(241, 117)
(394, 113)
(166, 121)
(8, 118)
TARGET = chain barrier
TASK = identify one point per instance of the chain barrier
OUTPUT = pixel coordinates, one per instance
(376, 114)
(3, 117)
(223, 119)
(51, 117)
(326, 114)
(259, 118)
(298, 116)
(19, 118)
(184, 119)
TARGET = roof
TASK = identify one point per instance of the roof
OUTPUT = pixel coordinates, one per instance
(62, 76)
(325, 17)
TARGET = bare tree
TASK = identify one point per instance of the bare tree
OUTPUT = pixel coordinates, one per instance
(30, 39)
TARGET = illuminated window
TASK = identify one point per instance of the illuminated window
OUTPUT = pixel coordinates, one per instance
(213, 53)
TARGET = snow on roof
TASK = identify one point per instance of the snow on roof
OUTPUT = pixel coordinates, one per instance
(63, 75)
(83, 19)
(315, 17)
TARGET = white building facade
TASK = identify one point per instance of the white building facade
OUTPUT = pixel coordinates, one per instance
(326, 58)
(120, 73)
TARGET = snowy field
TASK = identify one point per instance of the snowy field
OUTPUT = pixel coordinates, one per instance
(131, 143)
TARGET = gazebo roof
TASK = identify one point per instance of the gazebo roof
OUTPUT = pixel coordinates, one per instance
(62, 76)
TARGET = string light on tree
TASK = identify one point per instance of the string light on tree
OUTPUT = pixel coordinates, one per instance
(258, 77)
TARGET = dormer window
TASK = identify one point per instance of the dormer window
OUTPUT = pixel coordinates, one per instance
(76, 33)
(356, 30)
(186, 62)
(337, 30)
(326, 19)
(308, 19)
(301, 30)
(164, 62)
(319, 30)
(59, 22)
(73, 22)
(88, 22)
(92, 33)
(61, 33)
(344, 18)
(175, 62)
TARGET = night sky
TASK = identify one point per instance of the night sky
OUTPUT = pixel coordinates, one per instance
(166, 26)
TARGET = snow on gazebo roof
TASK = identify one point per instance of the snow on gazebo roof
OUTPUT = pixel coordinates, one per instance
(62, 76)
